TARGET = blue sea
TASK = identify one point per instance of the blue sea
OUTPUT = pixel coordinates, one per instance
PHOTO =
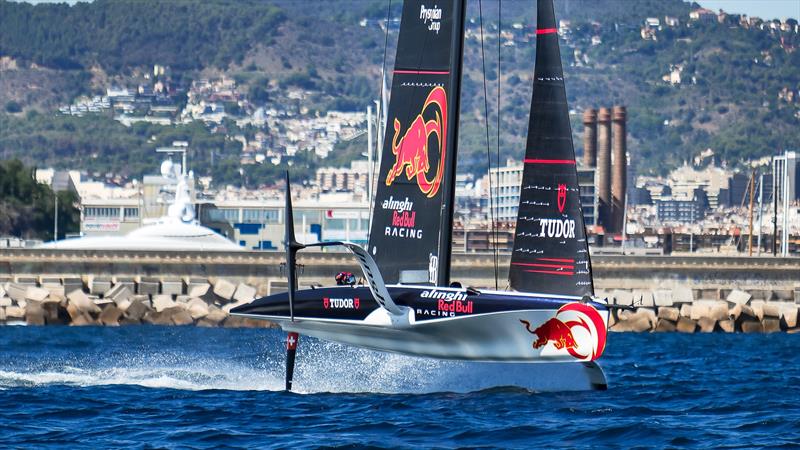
(186, 387)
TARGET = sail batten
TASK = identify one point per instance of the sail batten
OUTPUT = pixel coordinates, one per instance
(550, 250)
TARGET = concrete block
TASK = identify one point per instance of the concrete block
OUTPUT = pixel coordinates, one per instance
(686, 325)
(16, 291)
(700, 309)
(744, 312)
(789, 315)
(643, 298)
(665, 325)
(71, 284)
(728, 326)
(162, 302)
(123, 305)
(797, 295)
(172, 287)
(682, 294)
(2, 290)
(119, 293)
(110, 315)
(622, 297)
(718, 311)
(244, 293)
(158, 318)
(707, 325)
(197, 287)
(15, 312)
(57, 291)
(224, 289)
(663, 297)
(82, 320)
(147, 287)
(99, 285)
(182, 318)
(198, 308)
(686, 310)
(128, 282)
(758, 308)
(772, 309)
(55, 298)
(2, 314)
(5, 301)
(668, 313)
(22, 303)
(738, 297)
(215, 315)
(136, 310)
(771, 325)
(752, 326)
(36, 294)
(82, 302)
(783, 295)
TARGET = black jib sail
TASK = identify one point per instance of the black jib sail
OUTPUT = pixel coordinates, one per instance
(412, 217)
(550, 250)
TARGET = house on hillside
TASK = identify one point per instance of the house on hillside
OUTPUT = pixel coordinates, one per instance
(703, 15)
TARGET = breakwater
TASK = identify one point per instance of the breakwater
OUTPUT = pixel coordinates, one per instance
(671, 293)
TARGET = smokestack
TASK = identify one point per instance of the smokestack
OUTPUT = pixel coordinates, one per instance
(620, 167)
(590, 137)
(604, 168)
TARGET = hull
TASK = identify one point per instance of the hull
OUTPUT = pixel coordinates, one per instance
(452, 324)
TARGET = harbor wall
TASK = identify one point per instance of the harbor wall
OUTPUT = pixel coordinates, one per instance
(200, 287)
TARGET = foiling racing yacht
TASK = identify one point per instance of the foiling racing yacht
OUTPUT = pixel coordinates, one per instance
(408, 307)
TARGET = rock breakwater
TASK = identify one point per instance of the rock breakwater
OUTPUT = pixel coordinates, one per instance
(122, 301)
(706, 311)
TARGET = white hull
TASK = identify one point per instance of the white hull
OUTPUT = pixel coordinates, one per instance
(494, 337)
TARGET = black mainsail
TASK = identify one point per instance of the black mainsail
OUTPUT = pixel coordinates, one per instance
(550, 250)
(410, 236)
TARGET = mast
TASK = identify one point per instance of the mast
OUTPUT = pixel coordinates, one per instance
(449, 195)
(750, 236)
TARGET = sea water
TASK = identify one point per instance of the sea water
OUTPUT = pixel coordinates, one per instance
(170, 387)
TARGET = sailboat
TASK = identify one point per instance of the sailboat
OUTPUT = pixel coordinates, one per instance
(409, 305)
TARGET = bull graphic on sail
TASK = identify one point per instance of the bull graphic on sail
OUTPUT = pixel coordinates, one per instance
(412, 151)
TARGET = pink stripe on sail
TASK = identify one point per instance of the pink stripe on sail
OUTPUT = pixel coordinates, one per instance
(424, 72)
(549, 161)
(552, 266)
(546, 30)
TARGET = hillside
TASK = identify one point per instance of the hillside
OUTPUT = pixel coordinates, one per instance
(727, 100)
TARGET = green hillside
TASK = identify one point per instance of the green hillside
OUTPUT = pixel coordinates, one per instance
(728, 98)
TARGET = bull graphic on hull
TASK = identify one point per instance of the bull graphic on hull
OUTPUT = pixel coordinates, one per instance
(581, 317)
(552, 330)
(412, 152)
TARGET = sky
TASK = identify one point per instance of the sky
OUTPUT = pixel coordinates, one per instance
(765, 9)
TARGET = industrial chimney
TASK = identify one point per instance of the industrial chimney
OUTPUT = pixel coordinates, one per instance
(590, 137)
(619, 168)
(604, 168)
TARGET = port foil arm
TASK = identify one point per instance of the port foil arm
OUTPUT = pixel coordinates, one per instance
(371, 272)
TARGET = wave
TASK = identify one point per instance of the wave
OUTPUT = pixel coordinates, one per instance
(322, 367)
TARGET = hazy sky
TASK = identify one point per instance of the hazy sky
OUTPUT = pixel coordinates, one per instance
(766, 9)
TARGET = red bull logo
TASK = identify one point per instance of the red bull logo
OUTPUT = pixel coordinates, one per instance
(562, 332)
(562, 197)
(412, 152)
